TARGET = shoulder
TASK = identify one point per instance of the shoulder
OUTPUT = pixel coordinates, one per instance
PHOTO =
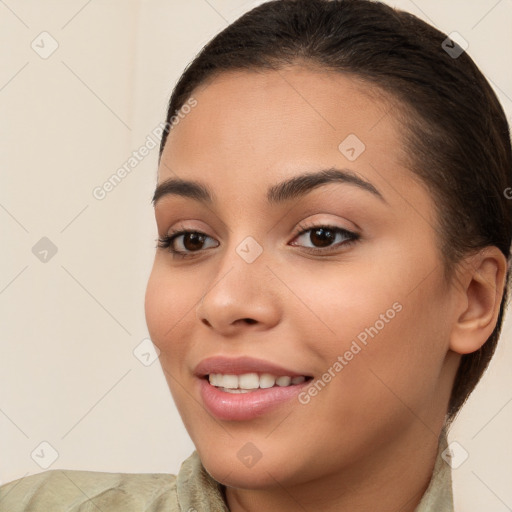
(61, 490)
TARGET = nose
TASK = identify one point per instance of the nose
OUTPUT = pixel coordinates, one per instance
(240, 296)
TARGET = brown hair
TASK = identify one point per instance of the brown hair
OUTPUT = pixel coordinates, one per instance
(457, 137)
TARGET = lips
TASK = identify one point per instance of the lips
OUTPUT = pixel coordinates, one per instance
(226, 404)
(241, 365)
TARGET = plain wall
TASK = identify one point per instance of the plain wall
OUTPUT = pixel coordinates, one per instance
(70, 324)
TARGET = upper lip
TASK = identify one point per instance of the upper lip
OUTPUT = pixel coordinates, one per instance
(241, 365)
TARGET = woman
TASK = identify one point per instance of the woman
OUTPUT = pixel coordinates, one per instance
(332, 266)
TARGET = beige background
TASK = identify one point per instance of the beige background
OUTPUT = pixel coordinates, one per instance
(69, 376)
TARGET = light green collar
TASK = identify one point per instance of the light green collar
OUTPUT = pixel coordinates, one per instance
(439, 494)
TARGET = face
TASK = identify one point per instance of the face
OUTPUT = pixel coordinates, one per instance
(333, 280)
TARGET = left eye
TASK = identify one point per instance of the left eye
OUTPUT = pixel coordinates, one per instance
(324, 236)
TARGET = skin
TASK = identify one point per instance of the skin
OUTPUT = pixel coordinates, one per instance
(369, 439)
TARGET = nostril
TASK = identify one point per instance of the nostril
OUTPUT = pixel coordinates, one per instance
(250, 320)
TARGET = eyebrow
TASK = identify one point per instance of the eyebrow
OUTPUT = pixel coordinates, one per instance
(291, 188)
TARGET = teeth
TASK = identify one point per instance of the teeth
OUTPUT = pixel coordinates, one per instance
(267, 380)
(229, 381)
(215, 379)
(283, 381)
(250, 381)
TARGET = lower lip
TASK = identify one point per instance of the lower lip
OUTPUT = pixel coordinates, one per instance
(245, 406)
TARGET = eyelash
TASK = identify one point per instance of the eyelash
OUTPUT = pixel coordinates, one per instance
(166, 241)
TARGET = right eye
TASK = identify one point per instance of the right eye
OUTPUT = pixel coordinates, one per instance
(191, 242)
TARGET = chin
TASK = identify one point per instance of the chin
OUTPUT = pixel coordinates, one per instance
(233, 474)
(235, 468)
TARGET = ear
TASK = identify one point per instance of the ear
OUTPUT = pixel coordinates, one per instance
(482, 277)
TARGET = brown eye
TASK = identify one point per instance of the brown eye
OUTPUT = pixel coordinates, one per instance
(324, 237)
(184, 243)
(321, 237)
(193, 241)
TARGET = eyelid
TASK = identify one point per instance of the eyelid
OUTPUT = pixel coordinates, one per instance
(350, 237)
(166, 241)
(308, 224)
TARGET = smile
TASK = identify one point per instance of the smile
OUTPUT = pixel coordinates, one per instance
(249, 382)
(243, 388)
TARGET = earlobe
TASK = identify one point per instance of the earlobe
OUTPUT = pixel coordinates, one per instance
(484, 278)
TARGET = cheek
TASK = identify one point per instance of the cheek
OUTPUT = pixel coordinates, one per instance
(169, 306)
(342, 302)
(385, 315)
(170, 312)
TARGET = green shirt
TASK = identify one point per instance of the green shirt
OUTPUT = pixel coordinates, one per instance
(191, 490)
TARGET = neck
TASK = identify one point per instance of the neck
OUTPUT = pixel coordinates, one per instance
(393, 477)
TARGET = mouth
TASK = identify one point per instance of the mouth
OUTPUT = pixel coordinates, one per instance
(241, 389)
(251, 382)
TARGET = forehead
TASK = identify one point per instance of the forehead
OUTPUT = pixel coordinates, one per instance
(259, 127)
(294, 110)
(298, 92)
